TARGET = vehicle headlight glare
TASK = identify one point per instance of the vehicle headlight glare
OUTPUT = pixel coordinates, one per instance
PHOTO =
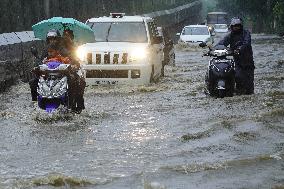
(138, 54)
(81, 53)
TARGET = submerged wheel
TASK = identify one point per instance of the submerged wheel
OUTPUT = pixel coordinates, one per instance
(221, 93)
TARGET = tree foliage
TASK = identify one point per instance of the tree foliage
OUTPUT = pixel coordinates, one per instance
(19, 15)
(266, 15)
(278, 12)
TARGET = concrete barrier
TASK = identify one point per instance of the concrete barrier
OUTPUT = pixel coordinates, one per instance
(174, 19)
(176, 15)
(16, 59)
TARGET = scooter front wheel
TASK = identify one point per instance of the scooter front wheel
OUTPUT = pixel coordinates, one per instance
(221, 93)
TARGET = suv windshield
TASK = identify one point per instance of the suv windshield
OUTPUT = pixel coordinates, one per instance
(119, 31)
(195, 31)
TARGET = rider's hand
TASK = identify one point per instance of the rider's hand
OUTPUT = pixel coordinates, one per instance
(237, 51)
(74, 67)
(44, 60)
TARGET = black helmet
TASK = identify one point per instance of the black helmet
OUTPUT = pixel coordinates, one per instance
(53, 33)
(236, 21)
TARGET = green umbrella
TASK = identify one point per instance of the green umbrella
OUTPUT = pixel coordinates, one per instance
(82, 32)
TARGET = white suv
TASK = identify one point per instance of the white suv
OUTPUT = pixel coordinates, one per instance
(128, 49)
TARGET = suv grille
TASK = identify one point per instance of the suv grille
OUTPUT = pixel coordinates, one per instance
(107, 58)
(107, 74)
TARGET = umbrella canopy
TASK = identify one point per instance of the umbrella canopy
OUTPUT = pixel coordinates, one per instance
(82, 32)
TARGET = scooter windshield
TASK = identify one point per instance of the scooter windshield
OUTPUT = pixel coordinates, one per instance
(53, 64)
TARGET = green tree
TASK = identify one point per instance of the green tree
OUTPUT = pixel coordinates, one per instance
(263, 13)
(278, 11)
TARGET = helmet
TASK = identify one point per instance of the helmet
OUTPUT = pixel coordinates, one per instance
(236, 21)
(53, 33)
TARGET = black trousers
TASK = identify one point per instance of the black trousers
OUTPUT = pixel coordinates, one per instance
(33, 86)
(76, 92)
(244, 79)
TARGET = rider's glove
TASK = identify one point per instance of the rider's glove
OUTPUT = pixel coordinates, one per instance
(237, 51)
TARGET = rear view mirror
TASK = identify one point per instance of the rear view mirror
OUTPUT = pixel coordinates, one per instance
(203, 44)
(34, 52)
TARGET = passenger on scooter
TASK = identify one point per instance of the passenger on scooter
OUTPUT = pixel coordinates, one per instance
(78, 83)
(239, 40)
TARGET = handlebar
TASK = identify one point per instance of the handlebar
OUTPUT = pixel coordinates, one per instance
(38, 72)
(228, 53)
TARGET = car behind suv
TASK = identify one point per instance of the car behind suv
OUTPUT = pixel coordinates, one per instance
(128, 49)
(196, 34)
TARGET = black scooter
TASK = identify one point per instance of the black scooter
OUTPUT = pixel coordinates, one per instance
(220, 75)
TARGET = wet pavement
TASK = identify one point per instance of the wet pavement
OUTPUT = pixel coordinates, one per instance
(166, 135)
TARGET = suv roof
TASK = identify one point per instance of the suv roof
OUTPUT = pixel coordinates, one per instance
(197, 26)
(120, 19)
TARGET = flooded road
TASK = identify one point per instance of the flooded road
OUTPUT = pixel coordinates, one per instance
(166, 135)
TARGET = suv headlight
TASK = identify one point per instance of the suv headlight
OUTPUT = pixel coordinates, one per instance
(138, 54)
(81, 53)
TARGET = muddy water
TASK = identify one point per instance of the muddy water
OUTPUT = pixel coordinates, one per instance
(166, 135)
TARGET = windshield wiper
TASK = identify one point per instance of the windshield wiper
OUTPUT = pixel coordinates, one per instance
(108, 32)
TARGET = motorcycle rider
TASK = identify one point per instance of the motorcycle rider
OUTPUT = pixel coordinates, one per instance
(54, 54)
(52, 37)
(239, 40)
(66, 48)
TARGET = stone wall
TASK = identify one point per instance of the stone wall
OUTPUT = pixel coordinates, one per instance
(16, 60)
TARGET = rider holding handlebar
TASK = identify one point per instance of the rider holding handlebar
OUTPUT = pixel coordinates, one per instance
(239, 41)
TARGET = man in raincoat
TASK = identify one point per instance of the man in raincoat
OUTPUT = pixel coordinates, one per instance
(239, 41)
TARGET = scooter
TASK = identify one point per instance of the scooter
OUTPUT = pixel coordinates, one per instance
(52, 86)
(220, 75)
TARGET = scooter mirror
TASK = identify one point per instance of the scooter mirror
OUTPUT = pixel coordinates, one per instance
(202, 45)
(34, 52)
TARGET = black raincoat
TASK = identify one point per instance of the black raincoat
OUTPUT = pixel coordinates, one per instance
(244, 72)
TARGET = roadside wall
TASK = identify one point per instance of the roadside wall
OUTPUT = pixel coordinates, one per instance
(16, 59)
(174, 19)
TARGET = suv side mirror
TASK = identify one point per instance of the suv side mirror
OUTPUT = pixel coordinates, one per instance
(178, 34)
(34, 52)
(157, 40)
